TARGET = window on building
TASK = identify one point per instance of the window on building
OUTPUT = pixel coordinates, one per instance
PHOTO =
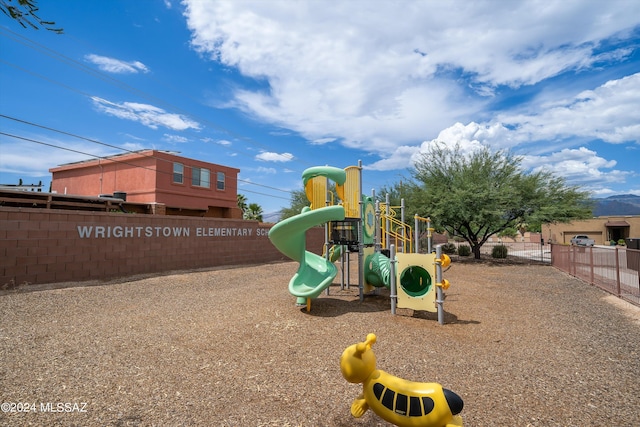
(200, 177)
(178, 173)
(220, 181)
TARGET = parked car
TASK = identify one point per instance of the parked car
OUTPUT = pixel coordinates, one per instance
(582, 240)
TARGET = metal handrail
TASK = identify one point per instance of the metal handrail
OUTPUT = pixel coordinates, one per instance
(399, 231)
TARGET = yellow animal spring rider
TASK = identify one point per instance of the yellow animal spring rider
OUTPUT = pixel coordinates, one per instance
(398, 401)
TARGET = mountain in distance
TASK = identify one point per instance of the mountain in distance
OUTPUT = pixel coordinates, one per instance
(623, 204)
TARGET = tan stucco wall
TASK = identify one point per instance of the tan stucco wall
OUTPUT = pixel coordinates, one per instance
(595, 228)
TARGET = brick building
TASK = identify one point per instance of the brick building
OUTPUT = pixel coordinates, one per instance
(177, 185)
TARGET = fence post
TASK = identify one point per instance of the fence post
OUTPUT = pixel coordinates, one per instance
(591, 265)
(617, 274)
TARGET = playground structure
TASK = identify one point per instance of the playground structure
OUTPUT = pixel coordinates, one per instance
(396, 400)
(388, 249)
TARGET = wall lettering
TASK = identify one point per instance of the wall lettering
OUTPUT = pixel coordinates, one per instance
(118, 231)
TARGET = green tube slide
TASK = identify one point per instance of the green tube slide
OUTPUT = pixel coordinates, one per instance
(334, 252)
(315, 273)
(377, 270)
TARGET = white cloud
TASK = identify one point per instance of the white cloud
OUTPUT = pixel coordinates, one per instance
(579, 165)
(30, 159)
(267, 156)
(548, 135)
(469, 138)
(582, 167)
(174, 138)
(148, 115)
(380, 75)
(322, 141)
(610, 112)
(391, 78)
(135, 138)
(112, 65)
(402, 158)
(135, 146)
(270, 171)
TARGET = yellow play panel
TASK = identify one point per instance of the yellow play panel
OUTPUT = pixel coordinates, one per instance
(416, 281)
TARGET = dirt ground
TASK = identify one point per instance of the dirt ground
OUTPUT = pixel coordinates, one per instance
(522, 344)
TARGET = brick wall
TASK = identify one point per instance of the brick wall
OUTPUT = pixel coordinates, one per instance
(39, 246)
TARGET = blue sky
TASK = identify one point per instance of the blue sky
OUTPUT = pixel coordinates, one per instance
(274, 87)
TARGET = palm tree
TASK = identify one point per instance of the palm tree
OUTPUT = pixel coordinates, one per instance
(254, 212)
(242, 202)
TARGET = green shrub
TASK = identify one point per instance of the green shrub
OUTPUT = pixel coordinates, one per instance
(621, 242)
(449, 248)
(612, 243)
(464, 250)
(499, 251)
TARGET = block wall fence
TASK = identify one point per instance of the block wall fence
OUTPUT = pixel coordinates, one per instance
(40, 246)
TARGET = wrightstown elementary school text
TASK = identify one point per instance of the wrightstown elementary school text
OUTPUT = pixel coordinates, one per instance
(132, 232)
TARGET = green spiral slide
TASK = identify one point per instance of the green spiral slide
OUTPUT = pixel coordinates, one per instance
(315, 273)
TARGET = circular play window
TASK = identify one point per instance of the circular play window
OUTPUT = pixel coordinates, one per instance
(415, 281)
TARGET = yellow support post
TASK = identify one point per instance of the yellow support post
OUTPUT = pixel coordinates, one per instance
(316, 191)
(351, 193)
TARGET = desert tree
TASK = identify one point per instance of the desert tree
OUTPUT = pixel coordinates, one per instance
(476, 195)
(297, 202)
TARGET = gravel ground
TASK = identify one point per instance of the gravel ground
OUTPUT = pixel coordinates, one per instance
(524, 345)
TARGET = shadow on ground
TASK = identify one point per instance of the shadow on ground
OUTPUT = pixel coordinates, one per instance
(334, 306)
